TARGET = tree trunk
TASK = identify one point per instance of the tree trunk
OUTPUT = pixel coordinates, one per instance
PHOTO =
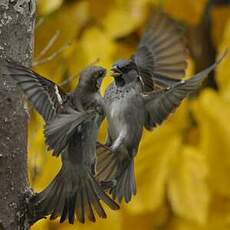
(16, 42)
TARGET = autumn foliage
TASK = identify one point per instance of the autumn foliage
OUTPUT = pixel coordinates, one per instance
(183, 166)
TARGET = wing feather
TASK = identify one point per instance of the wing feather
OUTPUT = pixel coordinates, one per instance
(59, 130)
(161, 55)
(159, 104)
(42, 93)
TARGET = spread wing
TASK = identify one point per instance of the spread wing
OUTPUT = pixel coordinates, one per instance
(161, 55)
(44, 94)
(59, 130)
(159, 104)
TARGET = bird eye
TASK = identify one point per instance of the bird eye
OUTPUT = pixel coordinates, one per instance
(120, 67)
(101, 73)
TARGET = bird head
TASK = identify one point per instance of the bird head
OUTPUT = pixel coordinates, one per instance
(91, 78)
(124, 72)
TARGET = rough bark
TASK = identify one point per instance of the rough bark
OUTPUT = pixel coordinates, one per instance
(16, 42)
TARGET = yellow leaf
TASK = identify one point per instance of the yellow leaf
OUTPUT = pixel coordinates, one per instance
(220, 17)
(190, 69)
(152, 165)
(219, 218)
(223, 70)
(100, 8)
(187, 186)
(212, 114)
(146, 220)
(40, 225)
(67, 23)
(189, 11)
(179, 120)
(182, 224)
(97, 46)
(124, 18)
(47, 7)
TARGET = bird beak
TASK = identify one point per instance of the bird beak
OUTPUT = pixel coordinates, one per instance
(115, 72)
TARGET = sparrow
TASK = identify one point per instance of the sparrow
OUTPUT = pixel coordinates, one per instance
(71, 125)
(146, 89)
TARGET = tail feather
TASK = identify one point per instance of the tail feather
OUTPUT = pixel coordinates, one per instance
(68, 194)
(41, 197)
(72, 205)
(61, 202)
(80, 206)
(91, 215)
(107, 163)
(106, 199)
(110, 168)
(89, 209)
(126, 185)
(94, 199)
(65, 211)
(53, 200)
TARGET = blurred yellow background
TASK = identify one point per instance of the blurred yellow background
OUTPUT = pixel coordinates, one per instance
(183, 166)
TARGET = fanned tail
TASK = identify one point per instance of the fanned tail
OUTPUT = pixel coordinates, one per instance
(107, 163)
(109, 168)
(126, 184)
(73, 194)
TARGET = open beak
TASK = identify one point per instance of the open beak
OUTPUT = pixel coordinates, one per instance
(115, 71)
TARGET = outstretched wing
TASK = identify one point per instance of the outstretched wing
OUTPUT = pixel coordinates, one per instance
(45, 95)
(159, 104)
(59, 130)
(161, 55)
